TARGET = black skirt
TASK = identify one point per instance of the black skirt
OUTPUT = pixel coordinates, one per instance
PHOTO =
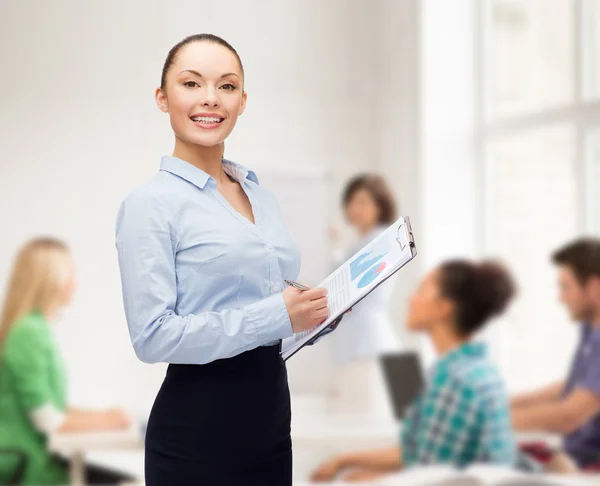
(223, 423)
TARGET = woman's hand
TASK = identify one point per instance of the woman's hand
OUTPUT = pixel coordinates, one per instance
(95, 420)
(364, 464)
(117, 419)
(361, 475)
(306, 308)
(328, 470)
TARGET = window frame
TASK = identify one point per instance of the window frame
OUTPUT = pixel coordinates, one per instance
(583, 113)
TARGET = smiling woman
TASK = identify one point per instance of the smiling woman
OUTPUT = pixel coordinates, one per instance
(203, 253)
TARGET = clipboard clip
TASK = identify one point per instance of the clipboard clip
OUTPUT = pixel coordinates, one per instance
(401, 236)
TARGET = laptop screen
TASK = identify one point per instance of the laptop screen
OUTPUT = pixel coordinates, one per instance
(403, 378)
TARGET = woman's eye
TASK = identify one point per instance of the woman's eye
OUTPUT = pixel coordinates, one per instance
(228, 87)
(190, 84)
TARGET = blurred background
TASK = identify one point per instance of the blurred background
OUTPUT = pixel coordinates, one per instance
(483, 116)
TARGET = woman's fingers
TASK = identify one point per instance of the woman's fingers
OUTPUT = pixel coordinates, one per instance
(320, 303)
(321, 314)
(314, 294)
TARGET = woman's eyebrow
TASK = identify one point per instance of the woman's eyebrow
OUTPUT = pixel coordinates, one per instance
(196, 73)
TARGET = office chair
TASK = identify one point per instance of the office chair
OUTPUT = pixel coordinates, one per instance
(21, 464)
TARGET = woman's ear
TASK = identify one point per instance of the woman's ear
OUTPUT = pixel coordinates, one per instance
(161, 100)
(243, 104)
(446, 310)
(592, 288)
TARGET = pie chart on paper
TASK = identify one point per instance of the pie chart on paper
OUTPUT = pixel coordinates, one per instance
(371, 275)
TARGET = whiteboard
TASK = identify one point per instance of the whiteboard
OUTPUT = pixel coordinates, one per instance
(303, 198)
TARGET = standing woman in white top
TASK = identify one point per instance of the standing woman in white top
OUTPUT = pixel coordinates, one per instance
(367, 332)
(204, 253)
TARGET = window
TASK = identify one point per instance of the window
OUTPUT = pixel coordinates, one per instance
(591, 49)
(539, 134)
(532, 199)
(531, 56)
(592, 177)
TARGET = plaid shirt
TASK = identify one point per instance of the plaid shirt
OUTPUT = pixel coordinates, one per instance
(462, 416)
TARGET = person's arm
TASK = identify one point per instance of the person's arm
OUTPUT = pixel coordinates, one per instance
(381, 460)
(147, 244)
(550, 393)
(362, 475)
(562, 417)
(570, 413)
(77, 410)
(87, 421)
(25, 357)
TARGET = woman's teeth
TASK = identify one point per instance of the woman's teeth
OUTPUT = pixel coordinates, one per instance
(208, 120)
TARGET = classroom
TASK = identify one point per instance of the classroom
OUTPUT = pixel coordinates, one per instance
(479, 120)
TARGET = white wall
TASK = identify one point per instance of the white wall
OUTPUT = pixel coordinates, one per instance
(449, 182)
(399, 137)
(80, 129)
(449, 176)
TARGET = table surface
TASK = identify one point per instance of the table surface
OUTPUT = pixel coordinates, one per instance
(123, 450)
(69, 443)
(305, 429)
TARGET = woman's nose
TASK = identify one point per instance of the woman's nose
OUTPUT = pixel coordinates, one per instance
(210, 97)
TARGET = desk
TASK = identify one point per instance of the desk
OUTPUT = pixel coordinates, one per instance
(76, 445)
(353, 431)
(350, 430)
(124, 449)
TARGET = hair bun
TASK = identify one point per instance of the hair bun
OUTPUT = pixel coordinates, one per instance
(495, 287)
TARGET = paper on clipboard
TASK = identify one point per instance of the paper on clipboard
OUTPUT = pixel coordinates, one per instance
(359, 276)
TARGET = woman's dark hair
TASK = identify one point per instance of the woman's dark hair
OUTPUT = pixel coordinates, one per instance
(479, 291)
(376, 186)
(188, 40)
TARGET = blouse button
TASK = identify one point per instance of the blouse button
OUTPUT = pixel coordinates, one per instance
(276, 288)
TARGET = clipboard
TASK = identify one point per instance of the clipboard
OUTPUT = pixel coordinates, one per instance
(404, 238)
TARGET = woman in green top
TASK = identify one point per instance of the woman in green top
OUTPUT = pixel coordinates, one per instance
(33, 388)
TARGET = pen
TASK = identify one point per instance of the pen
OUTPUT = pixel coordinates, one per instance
(296, 285)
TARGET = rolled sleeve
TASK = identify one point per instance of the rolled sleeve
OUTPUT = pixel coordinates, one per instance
(47, 418)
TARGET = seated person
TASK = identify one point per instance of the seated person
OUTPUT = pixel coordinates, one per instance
(32, 377)
(462, 415)
(572, 407)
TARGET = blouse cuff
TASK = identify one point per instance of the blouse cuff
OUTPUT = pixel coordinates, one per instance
(270, 319)
(47, 418)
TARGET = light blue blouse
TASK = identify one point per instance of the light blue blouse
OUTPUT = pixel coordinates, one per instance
(200, 281)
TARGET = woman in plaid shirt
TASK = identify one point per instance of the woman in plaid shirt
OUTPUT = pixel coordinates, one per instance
(462, 416)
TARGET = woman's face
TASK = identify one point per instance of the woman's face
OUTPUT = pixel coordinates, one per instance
(362, 210)
(203, 94)
(427, 306)
(70, 285)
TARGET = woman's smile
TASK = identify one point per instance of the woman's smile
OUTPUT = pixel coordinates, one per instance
(207, 121)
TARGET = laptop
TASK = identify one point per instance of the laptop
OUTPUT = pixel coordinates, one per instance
(403, 378)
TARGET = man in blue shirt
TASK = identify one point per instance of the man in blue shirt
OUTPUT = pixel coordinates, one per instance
(572, 407)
